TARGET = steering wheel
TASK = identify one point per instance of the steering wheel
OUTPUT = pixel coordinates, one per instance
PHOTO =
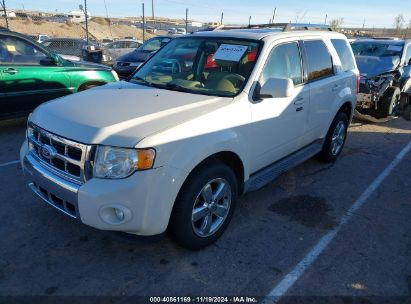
(236, 79)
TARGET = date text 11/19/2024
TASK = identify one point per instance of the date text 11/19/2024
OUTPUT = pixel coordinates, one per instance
(237, 299)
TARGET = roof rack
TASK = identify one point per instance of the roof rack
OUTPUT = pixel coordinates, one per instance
(284, 27)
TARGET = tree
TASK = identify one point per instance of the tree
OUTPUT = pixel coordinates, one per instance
(399, 22)
(409, 29)
(336, 24)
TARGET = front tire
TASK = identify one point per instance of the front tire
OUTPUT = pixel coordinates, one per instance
(389, 102)
(204, 206)
(335, 140)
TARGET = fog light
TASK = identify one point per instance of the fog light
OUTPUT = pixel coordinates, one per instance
(115, 214)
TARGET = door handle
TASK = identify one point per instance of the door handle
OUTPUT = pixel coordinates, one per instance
(299, 101)
(10, 71)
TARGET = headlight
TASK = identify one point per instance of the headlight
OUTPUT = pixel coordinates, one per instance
(115, 75)
(135, 64)
(114, 163)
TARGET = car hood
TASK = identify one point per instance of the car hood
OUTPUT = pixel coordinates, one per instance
(135, 56)
(121, 114)
(371, 66)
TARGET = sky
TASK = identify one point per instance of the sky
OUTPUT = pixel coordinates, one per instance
(376, 13)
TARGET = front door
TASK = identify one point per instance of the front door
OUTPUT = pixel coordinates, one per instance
(29, 76)
(279, 123)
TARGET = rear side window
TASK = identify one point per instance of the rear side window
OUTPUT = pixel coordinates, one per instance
(319, 60)
(343, 51)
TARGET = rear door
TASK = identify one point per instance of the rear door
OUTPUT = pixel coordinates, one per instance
(324, 85)
(26, 80)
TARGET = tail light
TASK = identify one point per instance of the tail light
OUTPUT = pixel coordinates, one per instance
(358, 83)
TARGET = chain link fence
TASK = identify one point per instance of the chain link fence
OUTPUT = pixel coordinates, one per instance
(100, 39)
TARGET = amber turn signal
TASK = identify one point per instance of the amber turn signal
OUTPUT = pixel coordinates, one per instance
(145, 159)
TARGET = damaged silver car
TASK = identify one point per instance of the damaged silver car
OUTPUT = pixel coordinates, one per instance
(385, 67)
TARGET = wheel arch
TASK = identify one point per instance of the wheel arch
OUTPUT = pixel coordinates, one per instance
(346, 108)
(230, 159)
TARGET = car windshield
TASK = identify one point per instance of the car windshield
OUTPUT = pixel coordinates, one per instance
(377, 49)
(210, 66)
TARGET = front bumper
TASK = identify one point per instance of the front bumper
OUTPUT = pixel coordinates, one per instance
(54, 190)
(366, 100)
(146, 210)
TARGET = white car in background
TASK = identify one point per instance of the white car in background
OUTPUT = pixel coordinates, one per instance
(121, 47)
(39, 38)
(181, 31)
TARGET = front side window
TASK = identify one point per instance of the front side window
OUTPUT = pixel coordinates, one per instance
(284, 61)
(17, 51)
(343, 51)
(202, 65)
(319, 60)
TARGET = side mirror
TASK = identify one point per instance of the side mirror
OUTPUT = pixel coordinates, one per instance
(277, 88)
(48, 61)
(409, 62)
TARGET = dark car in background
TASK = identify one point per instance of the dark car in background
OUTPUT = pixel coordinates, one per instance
(385, 67)
(87, 51)
(31, 74)
(128, 63)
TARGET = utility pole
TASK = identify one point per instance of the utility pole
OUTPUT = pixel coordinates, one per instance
(152, 9)
(86, 15)
(249, 22)
(186, 20)
(222, 17)
(144, 23)
(363, 24)
(275, 10)
(3, 4)
(326, 17)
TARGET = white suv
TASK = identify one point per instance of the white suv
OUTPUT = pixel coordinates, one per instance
(209, 117)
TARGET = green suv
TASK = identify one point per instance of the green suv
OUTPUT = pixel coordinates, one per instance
(30, 74)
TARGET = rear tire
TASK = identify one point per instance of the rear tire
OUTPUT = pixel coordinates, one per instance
(204, 206)
(335, 139)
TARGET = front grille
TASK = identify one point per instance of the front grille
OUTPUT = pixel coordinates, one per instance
(68, 158)
(57, 202)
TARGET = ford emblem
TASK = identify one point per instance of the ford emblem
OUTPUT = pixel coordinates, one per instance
(47, 152)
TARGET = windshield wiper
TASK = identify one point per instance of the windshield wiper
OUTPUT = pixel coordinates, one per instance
(177, 87)
(140, 79)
